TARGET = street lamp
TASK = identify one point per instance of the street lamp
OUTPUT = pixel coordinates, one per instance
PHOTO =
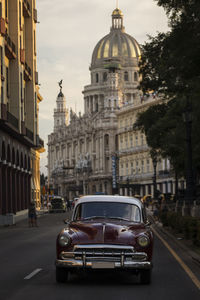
(154, 177)
(187, 118)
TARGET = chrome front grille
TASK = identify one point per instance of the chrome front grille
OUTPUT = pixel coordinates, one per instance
(111, 253)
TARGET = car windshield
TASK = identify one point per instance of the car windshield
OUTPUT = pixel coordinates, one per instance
(56, 201)
(112, 210)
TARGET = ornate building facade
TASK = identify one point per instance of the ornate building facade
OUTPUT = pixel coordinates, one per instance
(99, 151)
(136, 169)
(80, 154)
(20, 143)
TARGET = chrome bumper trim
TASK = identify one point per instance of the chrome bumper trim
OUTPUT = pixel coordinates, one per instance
(74, 263)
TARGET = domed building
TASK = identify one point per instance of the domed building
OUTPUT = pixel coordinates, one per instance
(82, 154)
(115, 57)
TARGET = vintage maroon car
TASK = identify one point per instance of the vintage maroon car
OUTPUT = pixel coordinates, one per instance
(106, 232)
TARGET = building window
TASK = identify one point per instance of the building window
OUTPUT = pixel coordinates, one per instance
(6, 9)
(2, 94)
(122, 169)
(136, 140)
(34, 43)
(125, 76)
(132, 170)
(20, 18)
(127, 169)
(148, 166)
(126, 142)
(7, 82)
(105, 76)
(142, 139)
(121, 142)
(142, 166)
(131, 140)
(137, 167)
(1, 53)
(97, 77)
(135, 76)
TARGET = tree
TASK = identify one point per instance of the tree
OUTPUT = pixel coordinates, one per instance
(170, 65)
(170, 60)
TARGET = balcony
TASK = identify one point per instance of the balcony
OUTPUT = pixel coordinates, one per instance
(125, 129)
(26, 9)
(35, 15)
(22, 56)
(2, 26)
(27, 73)
(9, 48)
(136, 149)
(12, 120)
(23, 128)
(29, 134)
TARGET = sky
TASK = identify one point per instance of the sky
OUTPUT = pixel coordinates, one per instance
(67, 33)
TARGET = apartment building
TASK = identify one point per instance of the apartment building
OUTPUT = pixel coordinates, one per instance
(20, 143)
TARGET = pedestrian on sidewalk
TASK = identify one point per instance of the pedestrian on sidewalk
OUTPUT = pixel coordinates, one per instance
(32, 215)
(156, 213)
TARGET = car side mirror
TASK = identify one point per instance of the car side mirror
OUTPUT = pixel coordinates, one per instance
(148, 223)
(66, 222)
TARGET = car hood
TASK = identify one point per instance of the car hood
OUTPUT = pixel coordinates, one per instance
(106, 232)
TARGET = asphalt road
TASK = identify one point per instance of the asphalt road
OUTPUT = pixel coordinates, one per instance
(25, 250)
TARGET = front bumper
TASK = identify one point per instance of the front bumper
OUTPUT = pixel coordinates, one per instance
(73, 263)
(103, 257)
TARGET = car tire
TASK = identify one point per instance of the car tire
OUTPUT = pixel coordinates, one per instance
(62, 275)
(145, 276)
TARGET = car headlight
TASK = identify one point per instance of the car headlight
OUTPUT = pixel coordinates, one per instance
(143, 240)
(64, 240)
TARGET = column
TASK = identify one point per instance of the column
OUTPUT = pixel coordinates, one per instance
(9, 174)
(4, 190)
(1, 196)
(14, 191)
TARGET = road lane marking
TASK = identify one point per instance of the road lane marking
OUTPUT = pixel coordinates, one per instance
(180, 261)
(32, 274)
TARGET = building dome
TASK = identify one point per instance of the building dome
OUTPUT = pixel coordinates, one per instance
(116, 45)
(117, 11)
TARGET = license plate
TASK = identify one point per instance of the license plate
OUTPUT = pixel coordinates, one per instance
(103, 265)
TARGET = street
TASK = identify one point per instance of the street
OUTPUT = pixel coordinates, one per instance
(27, 270)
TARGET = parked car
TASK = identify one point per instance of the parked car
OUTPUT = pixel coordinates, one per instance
(57, 204)
(106, 232)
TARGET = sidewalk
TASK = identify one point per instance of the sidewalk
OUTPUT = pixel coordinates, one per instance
(12, 219)
(194, 256)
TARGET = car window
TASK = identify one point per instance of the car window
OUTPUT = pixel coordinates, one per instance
(126, 211)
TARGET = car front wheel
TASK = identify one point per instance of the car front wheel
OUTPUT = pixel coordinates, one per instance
(62, 274)
(145, 276)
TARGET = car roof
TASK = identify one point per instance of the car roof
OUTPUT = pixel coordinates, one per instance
(109, 198)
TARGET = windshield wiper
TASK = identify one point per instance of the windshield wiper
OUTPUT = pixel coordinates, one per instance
(118, 218)
(94, 217)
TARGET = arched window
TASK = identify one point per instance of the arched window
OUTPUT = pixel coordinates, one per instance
(17, 161)
(105, 76)
(3, 151)
(125, 76)
(97, 77)
(21, 162)
(13, 156)
(8, 154)
(106, 140)
(25, 162)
